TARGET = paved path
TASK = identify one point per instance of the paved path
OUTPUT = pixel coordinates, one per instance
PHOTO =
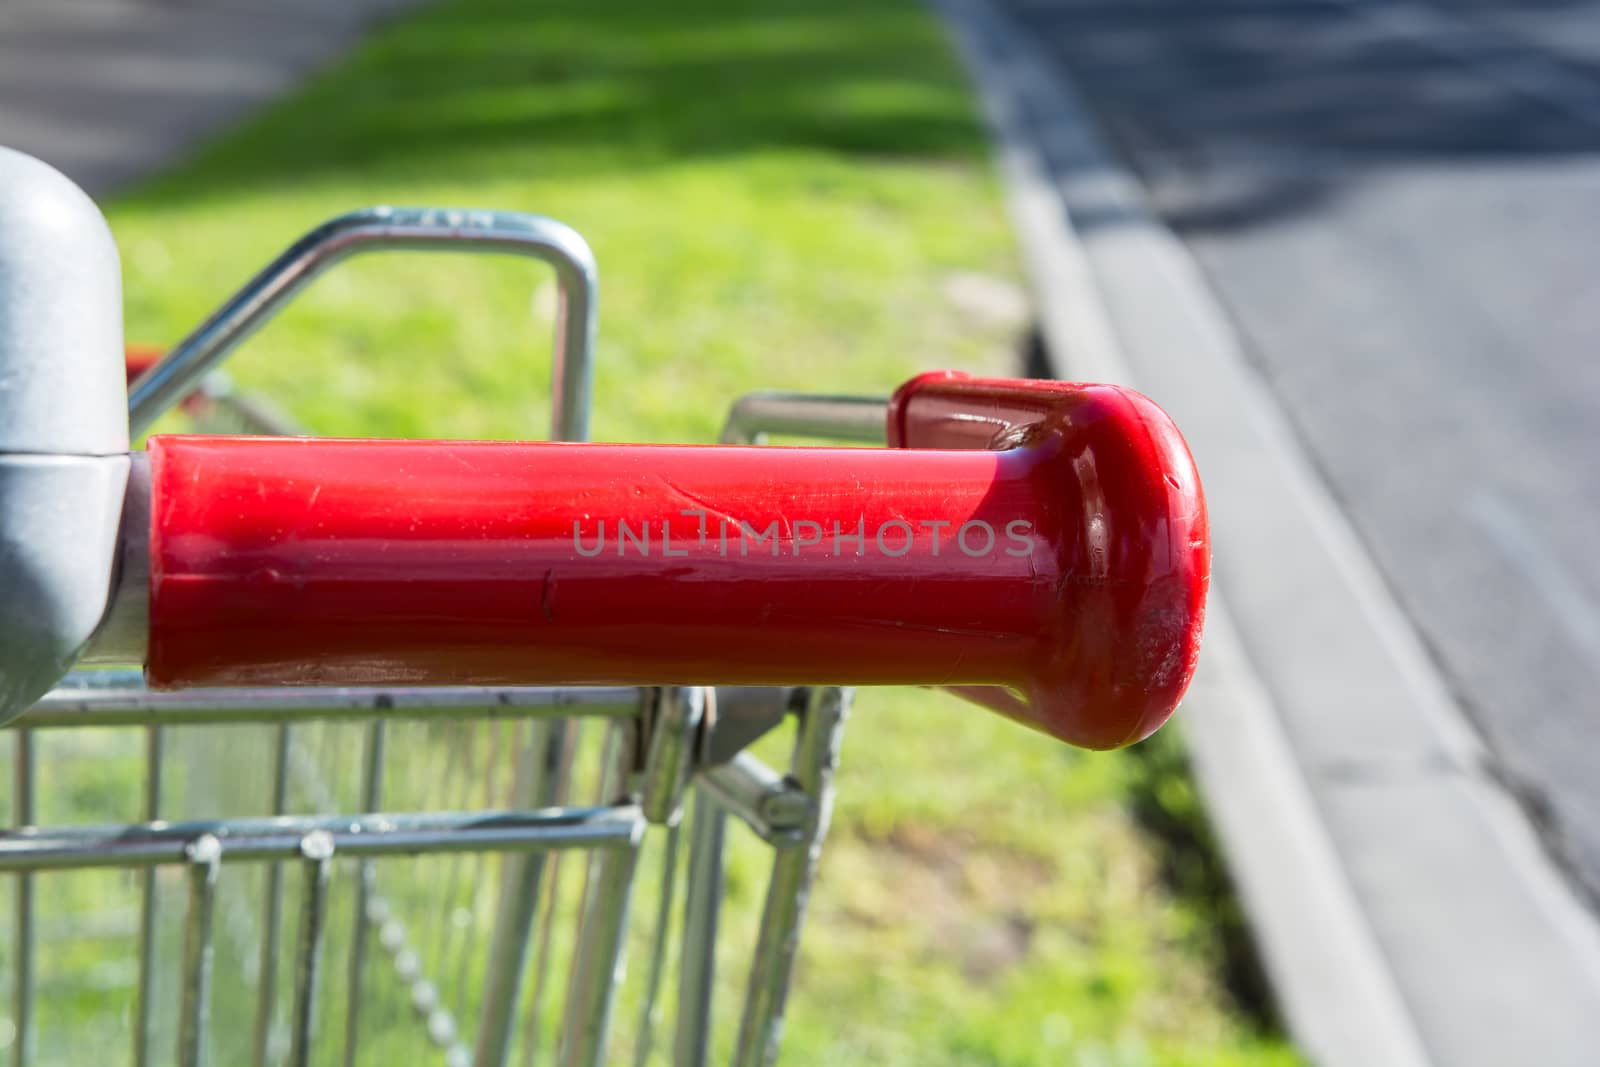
(111, 90)
(1399, 205)
(1370, 324)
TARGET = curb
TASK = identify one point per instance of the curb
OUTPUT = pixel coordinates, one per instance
(1405, 908)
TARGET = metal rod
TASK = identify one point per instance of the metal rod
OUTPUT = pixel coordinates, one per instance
(205, 862)
(23, 795)
(366, 875)
(840, 418)
(256, 840)
(598, 961)
(119, 698)
(815, 755)
(485, 776)
(317, 849)
(670, 750)
(377, 229)
(533, 1014)
(272, 917)
(701, 909)
(154, 763)
(776, 808)
(658, 950)
(538, 772)
(460, 781)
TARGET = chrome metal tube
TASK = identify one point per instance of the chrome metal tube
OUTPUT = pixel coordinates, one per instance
(519, 904)
(154, 765)
(257, 840)
(317, 850)
(204, 856)
(598, 960)
(697, 971)
(839, 418)
(674, 732)
(815, 754)
(371, 801)
(533, 1010)
(272, 917)
(767, 802)
(23, 794)
(119, 698)
(389, 228)
(598, 965)
(645, 1036)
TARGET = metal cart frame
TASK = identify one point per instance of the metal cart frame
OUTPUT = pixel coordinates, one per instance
(665, 748)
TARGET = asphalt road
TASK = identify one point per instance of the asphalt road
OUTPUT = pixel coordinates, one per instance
(109, 91)
(1399, 204)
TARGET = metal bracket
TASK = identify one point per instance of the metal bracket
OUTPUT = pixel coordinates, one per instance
(743, 714)
(673, 729)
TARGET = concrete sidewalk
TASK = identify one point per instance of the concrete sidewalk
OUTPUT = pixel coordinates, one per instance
(109, 91)
(1407, 905)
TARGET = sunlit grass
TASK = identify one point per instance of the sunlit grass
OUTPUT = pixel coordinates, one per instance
(779, 195)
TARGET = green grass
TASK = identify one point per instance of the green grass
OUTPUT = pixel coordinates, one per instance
(775, 194)
(779, 194)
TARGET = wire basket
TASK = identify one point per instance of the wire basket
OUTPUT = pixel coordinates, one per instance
(222, 869)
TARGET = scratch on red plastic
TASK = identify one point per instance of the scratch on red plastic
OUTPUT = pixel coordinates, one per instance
(290, 561)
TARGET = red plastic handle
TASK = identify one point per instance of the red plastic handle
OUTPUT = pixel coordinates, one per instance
(140, 358)
(1070, 568)
(1140, 539)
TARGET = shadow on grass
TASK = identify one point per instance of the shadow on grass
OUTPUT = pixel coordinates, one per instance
(568, 86)
(1167, 806)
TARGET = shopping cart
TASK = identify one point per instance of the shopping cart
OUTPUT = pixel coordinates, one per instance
(327, 720)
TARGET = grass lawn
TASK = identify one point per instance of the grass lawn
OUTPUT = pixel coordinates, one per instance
(780, 194)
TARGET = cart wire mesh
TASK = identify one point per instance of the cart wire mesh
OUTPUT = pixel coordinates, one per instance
(462, 875)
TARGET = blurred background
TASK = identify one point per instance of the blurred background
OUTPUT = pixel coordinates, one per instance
(1391, 203)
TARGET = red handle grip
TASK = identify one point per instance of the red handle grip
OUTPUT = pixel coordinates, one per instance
(1070, 568)
(140, 358)
(1143, 542)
